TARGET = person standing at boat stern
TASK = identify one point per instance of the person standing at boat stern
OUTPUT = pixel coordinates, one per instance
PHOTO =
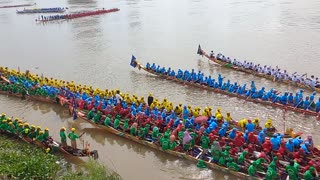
(73, 137)
(63, 137)
(150, 99)
(118, 97)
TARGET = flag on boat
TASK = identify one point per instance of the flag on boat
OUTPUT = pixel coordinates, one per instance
(199, 50)
(74, 113)
(133, 62)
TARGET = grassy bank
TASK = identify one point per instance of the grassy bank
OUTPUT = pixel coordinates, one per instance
(19, 160)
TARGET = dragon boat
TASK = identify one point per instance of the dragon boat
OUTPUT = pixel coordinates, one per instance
(50, 145)
(255, 73)
(42, 10)
(134, 63)
(194, 155)
(75, 15)
(19, 5)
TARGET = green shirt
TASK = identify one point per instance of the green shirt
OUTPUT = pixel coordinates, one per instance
(308, 175)
(133, 131)
(164, 144)
(20, 129)
(46, 134)
(141, 132)
(205, 142)
(194, 136)
(221, 161)
(32, 135)
(90, 115)
(10, 128)
(126, 125)
(73, 136)
(24, 133)
(241, 157)
(63, 136)
(96, 117)
(40, 137)
(107, 121)
(251, 170)
(180, 135)
(215, 154)
(234, 166)
(292, 172)
(155, 132)
(271, 174)
(172, 145)
(4, 126)
(116, 123)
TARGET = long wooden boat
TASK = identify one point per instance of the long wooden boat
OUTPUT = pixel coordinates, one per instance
(274, 104)
(19, 5)
(173, 153)
(252, 72)
(41, 10)
(55, 146)
(31, 97)
(76, 15)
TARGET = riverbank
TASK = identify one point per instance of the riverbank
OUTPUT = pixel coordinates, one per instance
(23, 161)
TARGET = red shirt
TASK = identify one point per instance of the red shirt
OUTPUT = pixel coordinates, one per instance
(252, 138)
(238, 141)
(267, 146)
(282, 150)
(263, 155)
(233, 151)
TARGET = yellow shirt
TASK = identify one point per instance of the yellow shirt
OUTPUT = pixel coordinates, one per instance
(195, 113)
(268, 125)
(228, 118)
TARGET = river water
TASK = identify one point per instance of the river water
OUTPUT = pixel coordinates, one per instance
(97, 50)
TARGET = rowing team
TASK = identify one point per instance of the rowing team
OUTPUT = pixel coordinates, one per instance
(143, 122)
(277, 73)
(19, 127)
(286, 98)
(75, 15)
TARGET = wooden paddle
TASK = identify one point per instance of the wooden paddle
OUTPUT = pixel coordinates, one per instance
(247, 98)
(81, 134)
(307, 108)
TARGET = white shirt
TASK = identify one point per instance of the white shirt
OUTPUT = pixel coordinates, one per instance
(118, 98)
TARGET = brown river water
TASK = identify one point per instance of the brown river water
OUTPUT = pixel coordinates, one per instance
(96, 51)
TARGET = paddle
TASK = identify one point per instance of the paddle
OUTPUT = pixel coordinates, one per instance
(307, 108)
(248, 97)
(284, 120)
(318, 117)
(81, 134)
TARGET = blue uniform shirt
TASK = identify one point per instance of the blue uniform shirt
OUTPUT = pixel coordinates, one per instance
(290, 146)
(250, 127)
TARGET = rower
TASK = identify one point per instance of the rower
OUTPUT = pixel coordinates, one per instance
(261, 137)
(309, 140)
(275, 141)
(233, 133)
(228, 117)
(250, 126)
(306, 103)
(290, 145)
(318, 106)
(306, 148)
(292, 171)
(211, 54)
(310, 174)
(256, 123)
(268, 124)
